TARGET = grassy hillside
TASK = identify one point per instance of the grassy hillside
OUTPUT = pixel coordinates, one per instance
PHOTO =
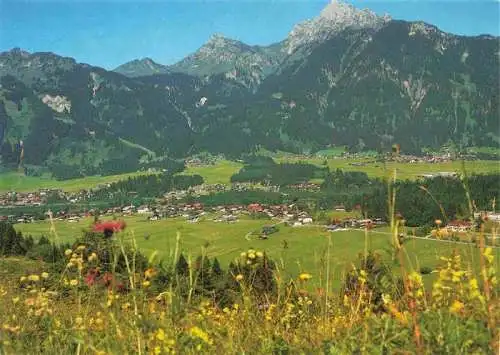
(14, 181)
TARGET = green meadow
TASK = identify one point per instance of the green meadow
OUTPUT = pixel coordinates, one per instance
(221, 172)
(16, 181)
(404, 171)
(306, 247)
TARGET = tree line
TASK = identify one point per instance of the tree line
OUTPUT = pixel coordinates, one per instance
(264, 170)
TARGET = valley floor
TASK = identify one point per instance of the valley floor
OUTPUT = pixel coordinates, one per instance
(297, 249)
(221, 172)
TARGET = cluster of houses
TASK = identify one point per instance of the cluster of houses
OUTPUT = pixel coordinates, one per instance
(492, 216)
(227, 213)
(203, 160)
(446, 174)
(17, 219)
(355, 223)
(16, 199)
(413, 159)
(459, 226)
(40, 197)
(305, 186)
(464, 226)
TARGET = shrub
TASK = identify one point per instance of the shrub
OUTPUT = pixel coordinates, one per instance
(253, 273)
(425, 270)
(50, 253)
(374, 276)
(11, 242)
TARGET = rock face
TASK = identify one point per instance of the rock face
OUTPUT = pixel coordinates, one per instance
(57, 103)
(334, 18)
(236, 61)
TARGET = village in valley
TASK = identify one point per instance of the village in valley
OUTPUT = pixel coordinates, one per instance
(172, 206)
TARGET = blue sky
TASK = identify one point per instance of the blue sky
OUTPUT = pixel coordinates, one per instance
(109, 33)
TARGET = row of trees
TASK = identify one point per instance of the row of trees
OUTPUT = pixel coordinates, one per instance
(152, 185)
(115, 165)
(421, 202)
(340, 180)
(265, 170)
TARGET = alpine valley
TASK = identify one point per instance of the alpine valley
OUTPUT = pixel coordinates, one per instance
(347, 77)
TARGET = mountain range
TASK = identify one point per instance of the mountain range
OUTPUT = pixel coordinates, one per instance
(346, 77)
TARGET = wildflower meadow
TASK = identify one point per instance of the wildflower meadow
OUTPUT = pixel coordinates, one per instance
(101, 295)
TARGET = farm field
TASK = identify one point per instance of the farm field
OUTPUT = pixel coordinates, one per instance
(306, 246)
(404, 170)
(221, 172)
(14, 181)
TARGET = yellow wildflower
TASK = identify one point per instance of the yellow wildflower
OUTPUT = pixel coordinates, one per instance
(92, 257)
(239, 277)
(456, 276)
(68, 252)
(81, 248)
(259, 254)
(456, 307)
(160, 334)
(45, 275)
(488, 254)
(146, 284)
(251, 256)
(416, 278)
(201, 334)
(149, 273)
(22, 279)
(305, 276)
(34, 278)
(73, 282)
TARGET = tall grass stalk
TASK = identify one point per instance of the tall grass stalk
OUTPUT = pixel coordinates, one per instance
(327, 283)
(131, 275)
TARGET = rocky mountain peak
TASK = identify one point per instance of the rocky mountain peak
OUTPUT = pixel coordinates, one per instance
(218, 42)
(217, 38)
(141, 67)
(338, 11)
(335, 17)
(17, 52)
